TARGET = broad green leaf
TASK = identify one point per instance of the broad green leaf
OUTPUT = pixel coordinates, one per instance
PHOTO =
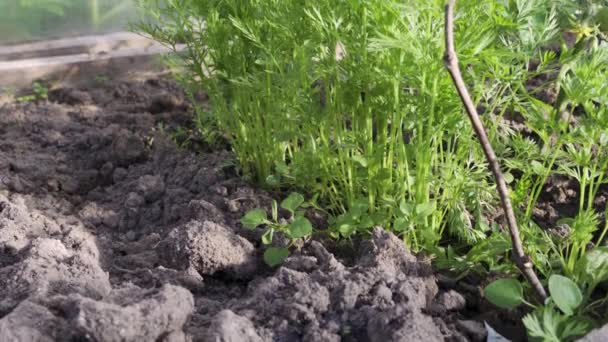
(299, 213)
(593, 266)
(504, 293)
(406, 208)
(366, 221)
(537, 167)
(565, 293)
(300, 227)
(274, 256)
(292, 202)
(282, 168)
(345, 225)
(425, 209)
(346, 229)
(361, 160)
(267, 237)
(359, 207)
(254, 218)
(400, 224)
(273, 180)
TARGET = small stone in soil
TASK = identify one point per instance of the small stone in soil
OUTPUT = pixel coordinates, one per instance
(233, 206)
(209, 248)
(119, 174)
(72, 97)
(202, 210)
(219, 190)
(151, 187)
(452, 300)
(475, 330)
(128, 149)
(230, 327)
(164, 102)
(15, 184)
(53, 185)
(106, 170)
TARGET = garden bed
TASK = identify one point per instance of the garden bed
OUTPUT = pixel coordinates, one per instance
(128, 210)
(110, 232)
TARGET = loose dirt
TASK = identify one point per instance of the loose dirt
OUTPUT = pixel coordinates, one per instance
(110, 232)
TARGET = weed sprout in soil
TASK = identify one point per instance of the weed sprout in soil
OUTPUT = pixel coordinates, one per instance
(348, 103)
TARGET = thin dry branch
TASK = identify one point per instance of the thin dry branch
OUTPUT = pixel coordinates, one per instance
(451, 62)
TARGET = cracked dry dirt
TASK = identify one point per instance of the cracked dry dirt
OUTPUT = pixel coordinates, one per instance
(109, 232)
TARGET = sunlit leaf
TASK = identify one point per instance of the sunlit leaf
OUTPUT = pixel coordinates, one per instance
(565, 293)
(254, 218)
(274, 256)
(300, 227)
(292, 202)
(504, 293)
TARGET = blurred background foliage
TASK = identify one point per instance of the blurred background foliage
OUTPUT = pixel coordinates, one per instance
(28, 20)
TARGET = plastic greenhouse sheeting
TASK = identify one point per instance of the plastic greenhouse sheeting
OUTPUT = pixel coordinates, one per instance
(31, 20)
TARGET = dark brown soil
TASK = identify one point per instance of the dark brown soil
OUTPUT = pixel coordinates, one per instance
(109, 232)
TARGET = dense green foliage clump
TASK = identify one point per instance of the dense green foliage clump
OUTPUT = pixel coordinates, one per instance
(373, 129)
(349, 103)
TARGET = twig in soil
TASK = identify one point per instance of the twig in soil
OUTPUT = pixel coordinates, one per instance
(522, 261)
(128, 271)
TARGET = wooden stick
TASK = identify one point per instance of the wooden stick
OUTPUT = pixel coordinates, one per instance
(522, 261)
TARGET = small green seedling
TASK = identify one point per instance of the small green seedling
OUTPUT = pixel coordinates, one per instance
(561, 318)
(569, 312)
(101, 79)
(354, 220)
(39, 92)
(294, 228)
(509, 293)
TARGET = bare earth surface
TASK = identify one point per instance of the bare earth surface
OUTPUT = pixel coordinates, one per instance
(109, 232)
